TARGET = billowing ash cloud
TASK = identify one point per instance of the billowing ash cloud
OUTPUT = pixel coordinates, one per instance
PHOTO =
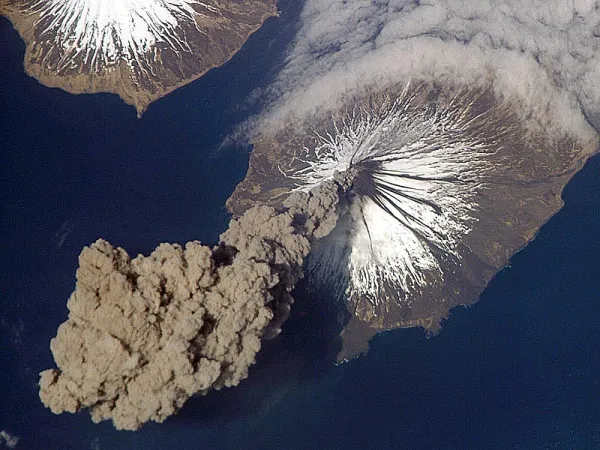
(463, 121)
(147, 333)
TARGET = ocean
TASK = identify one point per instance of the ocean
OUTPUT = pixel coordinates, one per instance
(519, 369)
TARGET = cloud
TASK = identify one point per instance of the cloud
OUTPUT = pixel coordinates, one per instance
(543, 53)
(8, 440)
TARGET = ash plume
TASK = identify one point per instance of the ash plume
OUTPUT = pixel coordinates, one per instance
(145, 334)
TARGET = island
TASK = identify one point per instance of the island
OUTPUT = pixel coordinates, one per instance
(451, 181)
(138, 53)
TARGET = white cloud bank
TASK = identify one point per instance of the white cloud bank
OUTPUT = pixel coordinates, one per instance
(544, 54)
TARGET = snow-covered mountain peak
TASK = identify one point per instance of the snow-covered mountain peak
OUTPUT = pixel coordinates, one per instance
(103, 32)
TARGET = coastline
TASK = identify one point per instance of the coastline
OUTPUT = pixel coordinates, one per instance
(528, 345)
(523, 203)
(357, 335)
(118, 79)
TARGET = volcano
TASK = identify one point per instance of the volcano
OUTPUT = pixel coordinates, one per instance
(450, 183)
(138, 49)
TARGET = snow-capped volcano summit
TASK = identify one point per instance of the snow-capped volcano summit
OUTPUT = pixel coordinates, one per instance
(419, 171)
(139, 49)
(101, 33)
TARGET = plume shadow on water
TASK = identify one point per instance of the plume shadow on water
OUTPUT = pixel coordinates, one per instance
(304, 352)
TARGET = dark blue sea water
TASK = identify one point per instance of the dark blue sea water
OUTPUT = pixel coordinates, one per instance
(517, 370)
